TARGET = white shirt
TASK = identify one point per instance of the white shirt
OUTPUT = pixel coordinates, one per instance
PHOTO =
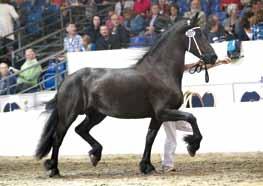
(7, 13)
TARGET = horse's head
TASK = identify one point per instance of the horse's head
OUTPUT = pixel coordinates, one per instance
(197, 43)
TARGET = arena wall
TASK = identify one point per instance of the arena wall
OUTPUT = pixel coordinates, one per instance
(231, 126)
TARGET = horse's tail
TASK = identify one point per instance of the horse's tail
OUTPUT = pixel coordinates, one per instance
(46, 140)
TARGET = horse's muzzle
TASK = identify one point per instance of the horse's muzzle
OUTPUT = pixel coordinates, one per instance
(209, 58)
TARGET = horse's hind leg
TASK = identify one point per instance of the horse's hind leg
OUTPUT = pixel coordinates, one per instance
(62, 127)
(83, 129)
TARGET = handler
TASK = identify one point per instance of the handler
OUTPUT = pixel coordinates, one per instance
(170, 128)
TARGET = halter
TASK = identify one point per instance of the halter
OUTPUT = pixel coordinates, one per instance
(197, 68)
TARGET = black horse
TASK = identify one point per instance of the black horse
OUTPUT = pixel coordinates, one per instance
(150, 88)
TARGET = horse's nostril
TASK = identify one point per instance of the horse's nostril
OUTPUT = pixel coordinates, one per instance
(213, 58)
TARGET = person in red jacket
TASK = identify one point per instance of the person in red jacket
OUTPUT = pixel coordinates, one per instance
(141, 6)
(225, 3)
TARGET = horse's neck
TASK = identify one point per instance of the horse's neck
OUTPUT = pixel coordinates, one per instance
(166, 65)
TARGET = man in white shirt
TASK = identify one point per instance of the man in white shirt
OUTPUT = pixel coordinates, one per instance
(7, 15)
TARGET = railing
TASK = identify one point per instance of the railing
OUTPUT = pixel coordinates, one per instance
(42, 62)
(45, 45)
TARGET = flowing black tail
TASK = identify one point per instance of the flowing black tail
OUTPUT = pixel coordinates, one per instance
(46, 140)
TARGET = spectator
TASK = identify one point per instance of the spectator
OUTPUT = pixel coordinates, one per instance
(86, 42)
(94, 30)
(121, 5)
(196, 8)
(232, 20)
(134, 24)
(256, 5)
(30, 74)
(119, 34)
(245, 31)
(108, 22)
(257, 29)
(226, 3)
(174, 13)
(73, 41)
(216, 32)
(156, 22)
(105, 42)
(164, 7)
(141, 6)
(7, 15)
(7, 82)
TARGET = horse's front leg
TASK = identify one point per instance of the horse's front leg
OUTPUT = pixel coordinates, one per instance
(145, 164)
(194, 140)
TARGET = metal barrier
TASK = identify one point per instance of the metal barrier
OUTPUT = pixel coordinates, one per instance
(51, 42)
(40, 83)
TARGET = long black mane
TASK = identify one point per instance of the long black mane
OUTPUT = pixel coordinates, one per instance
(164, 37)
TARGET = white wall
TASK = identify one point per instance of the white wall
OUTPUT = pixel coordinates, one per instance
(232, 128)
(229, 127)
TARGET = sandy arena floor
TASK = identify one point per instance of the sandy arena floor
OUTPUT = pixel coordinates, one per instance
(244, 169)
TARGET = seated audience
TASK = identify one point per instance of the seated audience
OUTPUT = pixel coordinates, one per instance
(118, 33)
(86, 42)
(73, 41)
(134, 24)
(156, 23)
(257, 29)
(226, 3)
(7, 82)
(94, 30)
(141, 6)
(164, 7)
(196, 7)
(245, 31)
(108, 22)
(216, 32)
(121, 5)
(174, 13)
(232, 20)
(28, 77)
(106, 41)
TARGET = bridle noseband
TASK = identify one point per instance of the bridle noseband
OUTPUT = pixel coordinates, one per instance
(198, 67)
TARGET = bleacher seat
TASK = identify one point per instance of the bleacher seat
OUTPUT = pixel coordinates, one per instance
(138, 42)
(49, 81)
(205, 6)
(184, 6)
(221, 16)
(49, 77)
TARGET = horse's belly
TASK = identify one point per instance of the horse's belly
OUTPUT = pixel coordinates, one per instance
(127, 108)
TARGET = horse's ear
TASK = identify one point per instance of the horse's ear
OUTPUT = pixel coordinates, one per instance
(195, 19)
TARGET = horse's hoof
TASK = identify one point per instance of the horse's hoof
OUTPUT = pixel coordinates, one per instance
(48, 164)
(191, 150)
(54, 173)
(94, 160)
(147, 168)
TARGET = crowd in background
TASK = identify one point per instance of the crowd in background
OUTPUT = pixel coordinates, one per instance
(139, 23)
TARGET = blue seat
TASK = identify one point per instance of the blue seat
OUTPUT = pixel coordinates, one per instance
(49, 81)
(205, 6)
(184, 6)
(138, 42)
(221, 16)
(33, 21)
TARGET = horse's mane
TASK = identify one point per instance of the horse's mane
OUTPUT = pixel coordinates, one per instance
(164, 36)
